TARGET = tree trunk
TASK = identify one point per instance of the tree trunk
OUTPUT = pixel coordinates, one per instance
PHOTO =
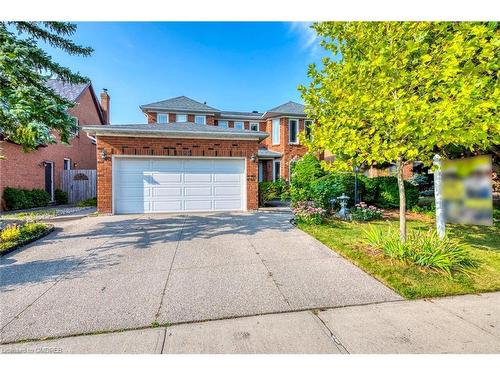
(402, 200)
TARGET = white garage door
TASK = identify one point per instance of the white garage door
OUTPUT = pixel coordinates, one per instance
(176, 185)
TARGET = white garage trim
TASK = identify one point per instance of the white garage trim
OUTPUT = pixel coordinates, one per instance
(243, 181)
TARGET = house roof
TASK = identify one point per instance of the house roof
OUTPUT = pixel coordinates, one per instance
(69, 91)
(265, 153)
(180, 103)
(288, 108)
(241, 115)
(175, 130)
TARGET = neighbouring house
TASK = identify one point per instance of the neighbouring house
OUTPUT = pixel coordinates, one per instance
(41, 169)
(193, 157)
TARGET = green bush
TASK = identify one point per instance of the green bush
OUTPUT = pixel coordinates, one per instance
(20, 199)
(92, 202)
(425, 250)
(272, 190)
(363, 212)
(61, 197)
(384, 192)
(39, 197)
(16, 199)
(308, 213)
(333, 185)
(304, 172)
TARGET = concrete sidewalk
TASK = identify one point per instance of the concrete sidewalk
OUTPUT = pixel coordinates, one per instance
(463, 324)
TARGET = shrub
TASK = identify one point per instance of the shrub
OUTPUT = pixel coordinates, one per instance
(304, 172)
(19, 199)
(363, 212)
(334, 185)
(425, 250)
(32, 229)
(10, 233)
(272, 190)
(16, 199)
(308, 213)
(61, 197)
(92, 202)
(39, 197)
(384, 192)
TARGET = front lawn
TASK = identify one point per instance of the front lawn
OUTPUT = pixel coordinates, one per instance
(409, 280)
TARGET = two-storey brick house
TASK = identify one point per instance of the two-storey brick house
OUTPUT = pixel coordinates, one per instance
(194, 157)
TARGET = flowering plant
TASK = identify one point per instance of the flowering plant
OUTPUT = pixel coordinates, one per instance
(363, 212)
(307, 212)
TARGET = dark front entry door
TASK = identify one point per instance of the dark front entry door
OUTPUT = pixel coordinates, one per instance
(49, 183)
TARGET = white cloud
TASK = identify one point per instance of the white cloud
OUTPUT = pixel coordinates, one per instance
(307, 37)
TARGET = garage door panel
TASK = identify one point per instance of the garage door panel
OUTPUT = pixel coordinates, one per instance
(167, 178)
(178, 184)
(234, 204)
(224, 178)
(166, 206)
(197, 177)
(167, 192)
(227, 191)
(198, 205)
(202, 191)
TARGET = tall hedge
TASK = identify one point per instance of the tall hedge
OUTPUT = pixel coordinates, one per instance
(333, 185)
(304, 172)
(21, 199)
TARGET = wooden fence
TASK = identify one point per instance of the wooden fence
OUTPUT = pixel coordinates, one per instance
(80, 184)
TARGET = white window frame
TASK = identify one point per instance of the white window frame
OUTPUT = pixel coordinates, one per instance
(242, 125)
(275, 141)
(181, 114)
(296, 142)
(252, 124)
(226, 124)
(274, 170)
(158, 118)
(305, 128)
(204, 119)
(64, 164)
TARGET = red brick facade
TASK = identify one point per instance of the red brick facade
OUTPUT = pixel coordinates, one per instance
(25, 170)
(172, 147)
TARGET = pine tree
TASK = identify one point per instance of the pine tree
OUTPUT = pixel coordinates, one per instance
(30, 112)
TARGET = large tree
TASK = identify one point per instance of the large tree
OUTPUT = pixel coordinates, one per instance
(30, 112)
(401, 91)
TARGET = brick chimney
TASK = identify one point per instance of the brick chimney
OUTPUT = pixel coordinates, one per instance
(105, 105)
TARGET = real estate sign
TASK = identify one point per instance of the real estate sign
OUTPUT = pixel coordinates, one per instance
(466, 190)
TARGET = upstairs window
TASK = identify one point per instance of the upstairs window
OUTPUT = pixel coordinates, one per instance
(239, 125)
(254, 126)
(181, 118)
(276, 131)
(223, 124)
(200, 120)
(293, 131)
(307, 128)
(162, 118)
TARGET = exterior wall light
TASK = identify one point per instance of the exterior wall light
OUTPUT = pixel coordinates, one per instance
(253, 158)
(104, 154)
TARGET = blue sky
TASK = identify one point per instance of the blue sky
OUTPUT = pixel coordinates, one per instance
(240, 66)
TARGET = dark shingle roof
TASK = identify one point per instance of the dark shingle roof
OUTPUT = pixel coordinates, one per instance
(180, 103)
(234, 114)
(289, 108)
(176, 129)
(69, 91)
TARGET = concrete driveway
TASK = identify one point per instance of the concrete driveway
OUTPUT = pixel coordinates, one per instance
(117, 272)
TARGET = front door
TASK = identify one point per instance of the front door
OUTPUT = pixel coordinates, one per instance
(49, 178)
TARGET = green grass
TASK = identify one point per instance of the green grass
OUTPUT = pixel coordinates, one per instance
(26, 233)
(92, 202)
(31, 215)
(409, 280)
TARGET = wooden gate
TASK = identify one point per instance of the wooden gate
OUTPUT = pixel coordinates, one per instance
(80, 184)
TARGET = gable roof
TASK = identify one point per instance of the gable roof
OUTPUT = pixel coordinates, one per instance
(180, 103)
(241, 115)
(69, 91)
(72, 91)
(288, 108)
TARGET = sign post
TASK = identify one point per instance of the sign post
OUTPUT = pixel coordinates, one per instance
(438, 196)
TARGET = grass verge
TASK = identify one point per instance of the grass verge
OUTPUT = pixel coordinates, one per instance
(409, 280)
